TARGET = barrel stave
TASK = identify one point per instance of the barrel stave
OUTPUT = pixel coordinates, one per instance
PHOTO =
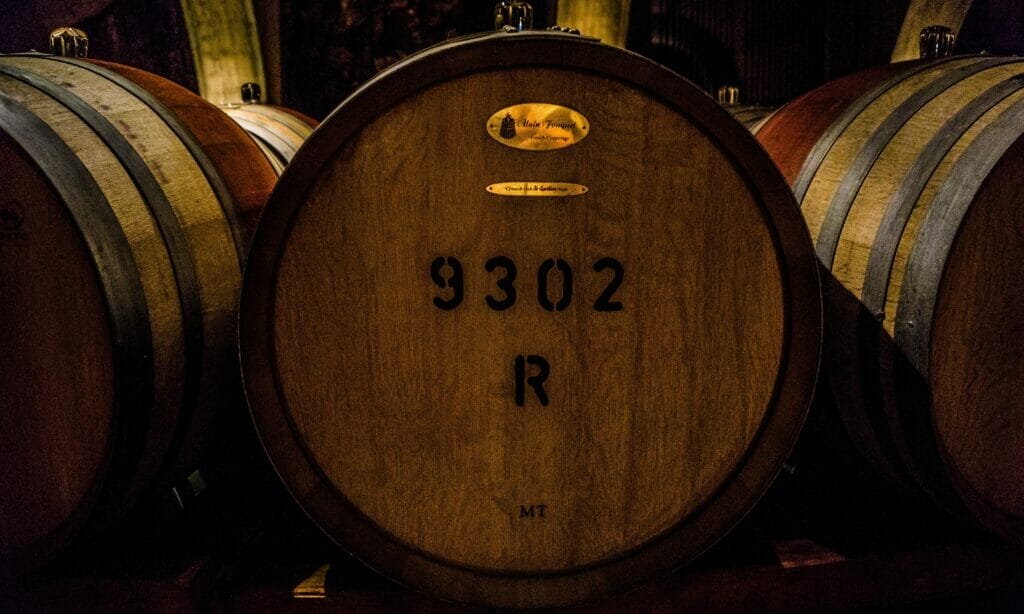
(890, 204)
(163, 303)
(160, 230)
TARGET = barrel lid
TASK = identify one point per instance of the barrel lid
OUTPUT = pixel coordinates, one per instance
(516, 401)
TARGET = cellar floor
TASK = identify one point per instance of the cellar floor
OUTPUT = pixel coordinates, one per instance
(248, 568)
(828, 535)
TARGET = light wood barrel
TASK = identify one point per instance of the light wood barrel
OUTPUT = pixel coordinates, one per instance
(607, 20)
(120, 265)
(913, 205)
(225, 46)
(800, 133)
(278, 131)
(528, 320)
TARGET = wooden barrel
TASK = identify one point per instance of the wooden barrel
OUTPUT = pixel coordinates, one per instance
(122, 228)
(750, 115)
(528, 320)
(278, 131)
(805, 129)
(911, 195)
(225, 44)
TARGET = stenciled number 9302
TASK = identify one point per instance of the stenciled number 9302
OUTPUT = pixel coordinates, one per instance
(448, 274)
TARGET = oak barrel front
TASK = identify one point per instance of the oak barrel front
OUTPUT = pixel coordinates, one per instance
(121, 237)
(528, 320)
(912, 196)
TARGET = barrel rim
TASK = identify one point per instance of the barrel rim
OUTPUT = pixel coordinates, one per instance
(894, 440)
(921, 291)
(782, 419)
(899, 207)
(295, 121)
(217, 184)
(282, 150)
(901, 363)
(160, 208)
(858, 170)
(939, 231)
(127, 313)
(823, 145)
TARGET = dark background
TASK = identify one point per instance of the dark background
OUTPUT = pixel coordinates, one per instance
(774, 50)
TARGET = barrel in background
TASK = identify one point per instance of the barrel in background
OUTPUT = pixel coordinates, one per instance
(278, 131)
(750, 115)
(911, 196)
(529, 320)
(124, 225)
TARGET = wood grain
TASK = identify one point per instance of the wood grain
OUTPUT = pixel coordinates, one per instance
(607, 20)
(921, 316)
(156, 274)
(858, 106)
(207, 234)
(975, 394)
(179, 279)
(57, 359)
(830, 173)
(225, 47)
(790, 142)
(280, 132)
(403, 437)
(892, 164)
(233, 157)
(976, 363)
(241, 179)
(606, 362)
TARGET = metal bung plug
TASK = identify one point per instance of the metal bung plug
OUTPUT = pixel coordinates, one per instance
(728, 94)
(70, 42)
(937, 42)
(251, 93)
(513, 16)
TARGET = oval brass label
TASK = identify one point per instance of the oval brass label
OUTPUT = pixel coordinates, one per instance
(536, 188)
(538, 126)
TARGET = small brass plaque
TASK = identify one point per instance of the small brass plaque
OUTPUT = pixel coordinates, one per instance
(538, 126)
(536, 188)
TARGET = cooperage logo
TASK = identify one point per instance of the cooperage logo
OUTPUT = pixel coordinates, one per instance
(508, 127)
(12, 215)
(538, 126)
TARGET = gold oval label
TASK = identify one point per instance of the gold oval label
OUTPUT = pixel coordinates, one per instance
(538, 126)
(536, 188)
